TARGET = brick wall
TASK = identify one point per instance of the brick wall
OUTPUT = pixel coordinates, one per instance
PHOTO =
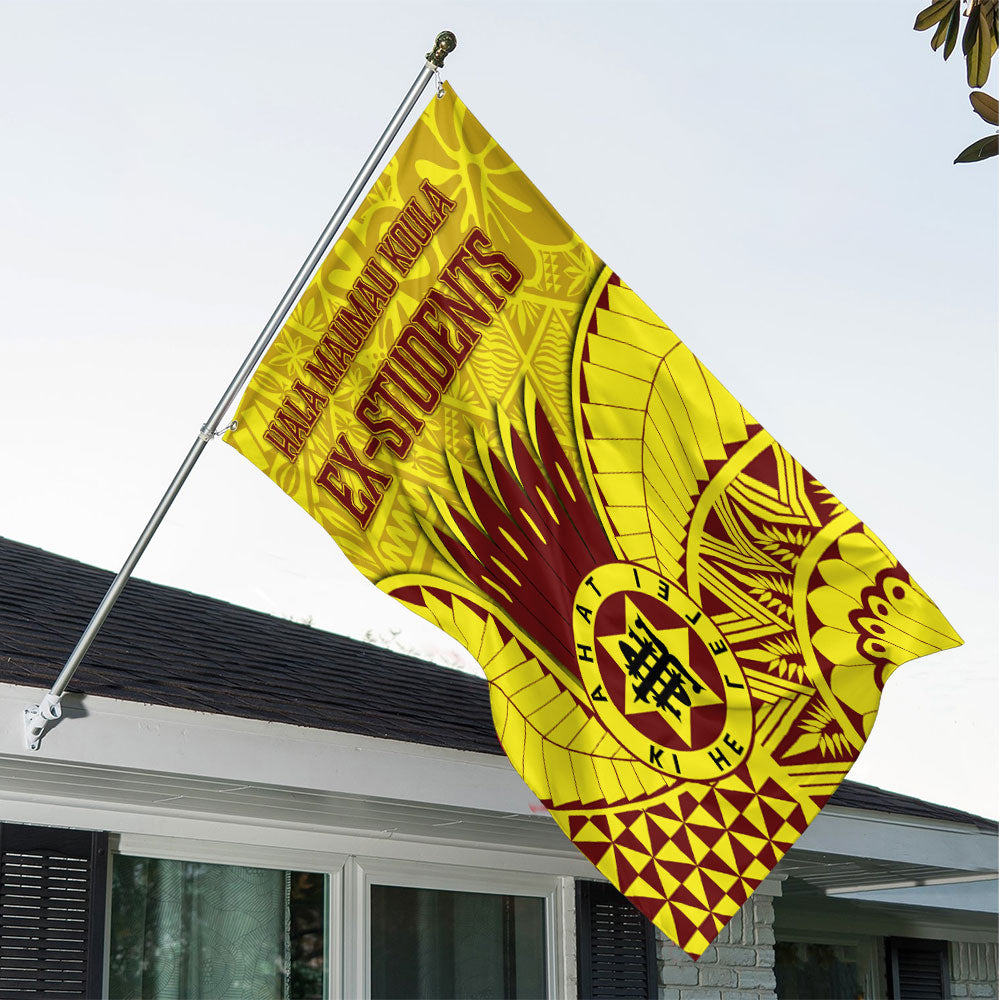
(973, 969)
(738, 965)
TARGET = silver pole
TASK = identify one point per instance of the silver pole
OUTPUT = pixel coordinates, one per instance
(37, 717)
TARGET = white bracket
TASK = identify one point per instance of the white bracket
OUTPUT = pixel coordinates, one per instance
(37, 718)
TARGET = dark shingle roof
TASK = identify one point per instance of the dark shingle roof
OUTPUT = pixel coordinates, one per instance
(854, 795)
(164, 646)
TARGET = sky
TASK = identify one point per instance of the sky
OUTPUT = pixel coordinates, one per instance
(774, 179)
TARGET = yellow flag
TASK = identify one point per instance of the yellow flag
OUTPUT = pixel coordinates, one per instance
(685, 635)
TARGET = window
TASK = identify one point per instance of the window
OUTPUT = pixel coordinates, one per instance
(423, 930)
(822, 971)
(182, 919)
(434, 943)
(829, 965)
(184, 929)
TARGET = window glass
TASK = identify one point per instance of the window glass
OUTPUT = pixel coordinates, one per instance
(822, 971)
(431, 943)
(185, 930)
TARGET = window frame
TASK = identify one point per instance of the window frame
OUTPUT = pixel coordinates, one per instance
(361, 873)
(349, 878)
(165, 848)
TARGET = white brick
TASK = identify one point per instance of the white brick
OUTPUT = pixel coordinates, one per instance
(737, 956)
(669, 952)
(958, 953)
(717, 975)
(679, 975)
(959, 990)
(701, 995)
(765, 957)
(982, 990)
(667, 993)
(740, 995)
(974, 964)
(710, 956)
(735, 929)
(756, 979)
(764, 934)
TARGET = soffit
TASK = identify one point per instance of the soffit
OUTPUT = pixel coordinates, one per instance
(808, 872)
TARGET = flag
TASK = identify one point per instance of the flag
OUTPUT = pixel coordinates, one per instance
(685, 635)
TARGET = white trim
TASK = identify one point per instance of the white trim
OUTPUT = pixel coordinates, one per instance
(216, 837)
(908, 884)
(168, 848)
(335, 934)
(977, 897)
(900, 839)
(356, 923)
(134, 735)
(904, 819)
(567, 906)
(362, 873)
(459, 878)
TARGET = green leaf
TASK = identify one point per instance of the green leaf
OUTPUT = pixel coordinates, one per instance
(985, 106)
(930, 16)
(954, 22)
(978, 58)
(942, 31)
(989, 9)
(981, 149)
(969, 35)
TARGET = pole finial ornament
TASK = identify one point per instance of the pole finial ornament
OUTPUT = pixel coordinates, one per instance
(443, 44)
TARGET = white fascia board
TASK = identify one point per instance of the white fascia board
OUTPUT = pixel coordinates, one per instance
(904, 839)
(973, 897)
(111, 733)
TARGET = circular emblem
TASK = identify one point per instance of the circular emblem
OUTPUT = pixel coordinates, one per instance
(659, 674)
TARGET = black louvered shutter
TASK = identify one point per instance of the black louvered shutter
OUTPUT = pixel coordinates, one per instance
(53, 886)
(616, 950)
(917, 969)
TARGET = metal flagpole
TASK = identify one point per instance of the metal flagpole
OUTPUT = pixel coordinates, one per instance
(37, 717)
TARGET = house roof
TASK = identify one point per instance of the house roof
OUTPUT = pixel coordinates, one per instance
(169, 647)
(164, 646)
(854, 795)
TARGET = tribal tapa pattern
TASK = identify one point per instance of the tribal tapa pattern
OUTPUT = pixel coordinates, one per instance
(697, 514)
(685, 635)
